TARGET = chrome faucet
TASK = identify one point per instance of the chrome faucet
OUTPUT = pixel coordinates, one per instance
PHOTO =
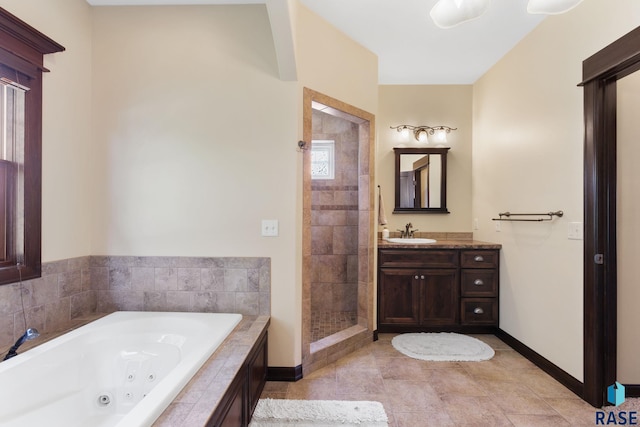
(407, 233)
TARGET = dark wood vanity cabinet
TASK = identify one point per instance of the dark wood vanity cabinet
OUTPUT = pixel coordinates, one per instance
(437, 290)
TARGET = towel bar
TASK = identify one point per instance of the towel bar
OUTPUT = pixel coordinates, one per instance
(508, 216)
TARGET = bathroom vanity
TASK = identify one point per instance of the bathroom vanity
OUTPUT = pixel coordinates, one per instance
(443, 286)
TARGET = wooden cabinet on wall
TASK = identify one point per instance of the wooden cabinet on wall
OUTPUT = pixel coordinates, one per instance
(437, 289)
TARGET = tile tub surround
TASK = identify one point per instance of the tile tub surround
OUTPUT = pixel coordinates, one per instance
(223, 285)
(52, 302)
(75, 288)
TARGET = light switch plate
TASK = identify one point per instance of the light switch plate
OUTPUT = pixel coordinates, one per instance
(270, 227)
(575, 231)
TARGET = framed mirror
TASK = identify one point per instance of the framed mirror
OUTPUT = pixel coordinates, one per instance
(421, 180)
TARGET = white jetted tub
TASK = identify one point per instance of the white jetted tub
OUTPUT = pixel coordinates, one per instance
(121, 370)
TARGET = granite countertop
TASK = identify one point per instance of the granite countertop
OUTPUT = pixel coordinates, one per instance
(441, 244)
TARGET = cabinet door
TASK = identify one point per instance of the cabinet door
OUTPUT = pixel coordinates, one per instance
(399, 297)
(439, 304)
(257, 373)
(230, 412)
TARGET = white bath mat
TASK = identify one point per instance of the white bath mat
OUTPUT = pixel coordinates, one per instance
(318, 413)
(442, 346)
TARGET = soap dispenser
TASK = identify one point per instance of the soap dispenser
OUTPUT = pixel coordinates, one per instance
(385, 233)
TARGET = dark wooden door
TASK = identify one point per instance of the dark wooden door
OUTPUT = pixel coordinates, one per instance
(600, 73)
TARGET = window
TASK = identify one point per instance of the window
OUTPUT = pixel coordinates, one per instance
(21, 67)
(322, 159)
(11, 171)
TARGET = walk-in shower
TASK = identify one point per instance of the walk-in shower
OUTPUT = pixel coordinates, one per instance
(334, 225)
(338, 229)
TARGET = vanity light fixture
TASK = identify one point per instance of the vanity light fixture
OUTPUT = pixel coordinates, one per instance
(421, 133)
(449, 13)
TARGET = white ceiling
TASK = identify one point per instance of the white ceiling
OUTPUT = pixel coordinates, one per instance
(410, 48)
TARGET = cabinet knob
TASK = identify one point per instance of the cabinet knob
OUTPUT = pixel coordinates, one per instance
(422, 277)
(478, 258)
(416, 277)
(478, 282)
(478, 310)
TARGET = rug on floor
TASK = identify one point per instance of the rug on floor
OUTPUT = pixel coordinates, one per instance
(318, 413)
(442, 346)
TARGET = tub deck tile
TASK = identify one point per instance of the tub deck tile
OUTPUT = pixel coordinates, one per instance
(198, 400)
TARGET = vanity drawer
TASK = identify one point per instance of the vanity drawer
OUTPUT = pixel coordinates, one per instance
(479, 311)
(479, 259)
(419, 258)
(479, 283)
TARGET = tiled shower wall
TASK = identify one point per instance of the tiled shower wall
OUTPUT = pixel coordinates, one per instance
(71, 289)
(334, 221)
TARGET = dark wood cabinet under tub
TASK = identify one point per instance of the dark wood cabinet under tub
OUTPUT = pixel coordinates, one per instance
(447, 286)
(242, 395)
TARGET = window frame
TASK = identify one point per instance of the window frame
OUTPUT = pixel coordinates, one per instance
(22, 49)
(327, 146)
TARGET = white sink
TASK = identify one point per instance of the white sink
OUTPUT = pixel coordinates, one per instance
(410, 241)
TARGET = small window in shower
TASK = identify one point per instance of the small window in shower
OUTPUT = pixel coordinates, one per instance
(322, 159)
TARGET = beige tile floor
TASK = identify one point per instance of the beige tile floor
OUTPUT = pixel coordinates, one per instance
(507, 390)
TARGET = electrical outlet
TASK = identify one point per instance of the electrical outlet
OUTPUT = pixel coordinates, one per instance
(475, 224)
(270, 227)
(575, 231)
(498, 226)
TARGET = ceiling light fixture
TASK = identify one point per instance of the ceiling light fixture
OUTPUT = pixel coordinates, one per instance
(421, 133)
(449, 13)
(551, 7)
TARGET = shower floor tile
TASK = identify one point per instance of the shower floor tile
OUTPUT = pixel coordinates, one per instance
(327, 323)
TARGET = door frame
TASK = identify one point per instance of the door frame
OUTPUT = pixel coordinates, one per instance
(600, 73)
(312, 360)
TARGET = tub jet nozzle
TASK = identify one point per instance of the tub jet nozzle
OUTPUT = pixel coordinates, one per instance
(29, 335)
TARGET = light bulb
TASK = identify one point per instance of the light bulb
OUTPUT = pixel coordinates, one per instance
(440, 136)
(404, 133)
(422, 136)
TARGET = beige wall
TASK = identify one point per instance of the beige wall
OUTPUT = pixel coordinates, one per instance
(331, 63)
(527, 156)
(167, 131)
(195, 138)
(66, 191)
(448, 105)
(628, 235)
(195, 143)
